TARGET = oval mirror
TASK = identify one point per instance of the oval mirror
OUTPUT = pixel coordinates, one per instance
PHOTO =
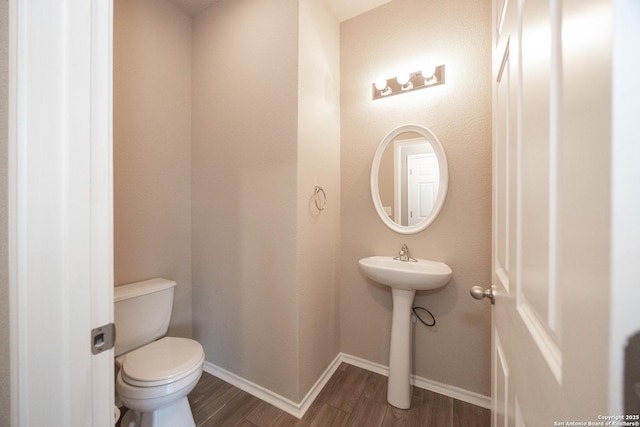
(409, 178)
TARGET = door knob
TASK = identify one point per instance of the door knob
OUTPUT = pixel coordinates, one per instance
(478, 293)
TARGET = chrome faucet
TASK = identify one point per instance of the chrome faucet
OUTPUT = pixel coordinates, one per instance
(403, 255)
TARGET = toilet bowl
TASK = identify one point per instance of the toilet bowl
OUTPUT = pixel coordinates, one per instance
(154, 375)
(154, 381)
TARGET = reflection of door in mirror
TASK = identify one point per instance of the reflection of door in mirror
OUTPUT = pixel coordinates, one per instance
(422, 186)
(415, 185)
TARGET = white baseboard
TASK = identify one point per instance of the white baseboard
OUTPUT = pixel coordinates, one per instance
(296, 409)
(299, 409)
(435, 386)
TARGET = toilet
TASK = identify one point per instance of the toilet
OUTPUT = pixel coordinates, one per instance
(155, 373)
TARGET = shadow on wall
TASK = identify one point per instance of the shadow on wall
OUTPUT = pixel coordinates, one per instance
(632, 376)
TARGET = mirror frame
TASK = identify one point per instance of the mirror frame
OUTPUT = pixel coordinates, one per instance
(444, 178)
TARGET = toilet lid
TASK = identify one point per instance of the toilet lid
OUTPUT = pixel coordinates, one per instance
(162, 362)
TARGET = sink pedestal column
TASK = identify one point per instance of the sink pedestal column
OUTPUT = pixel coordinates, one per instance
(399, 386)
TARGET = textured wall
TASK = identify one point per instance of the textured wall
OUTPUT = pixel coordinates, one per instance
(152, 148)
(401, 35)
(264, 287)
(318, 237)
(5, 403)
(244, 189)
(265, 120)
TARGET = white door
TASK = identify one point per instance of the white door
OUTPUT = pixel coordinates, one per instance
(551, 215)
(423, 180)
(60, 212)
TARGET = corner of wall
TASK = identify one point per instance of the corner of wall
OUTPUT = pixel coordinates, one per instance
(318, 165)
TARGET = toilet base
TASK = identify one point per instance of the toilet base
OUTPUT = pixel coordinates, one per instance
(177, 414)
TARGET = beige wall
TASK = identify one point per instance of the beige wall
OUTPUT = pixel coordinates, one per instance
(265, 122)
(394, 37)
(244, 188)
(318, 233)
(266, 132)
(5, 403)
(264, 286)
(152, 152)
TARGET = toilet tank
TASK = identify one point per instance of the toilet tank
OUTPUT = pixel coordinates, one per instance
(142, 311)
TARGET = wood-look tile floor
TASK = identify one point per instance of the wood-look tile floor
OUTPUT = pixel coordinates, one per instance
(352, 397)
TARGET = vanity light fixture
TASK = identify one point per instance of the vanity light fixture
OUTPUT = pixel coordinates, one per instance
(408, 81)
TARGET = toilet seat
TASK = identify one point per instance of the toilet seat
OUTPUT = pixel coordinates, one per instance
(150, 398)
(162, 362)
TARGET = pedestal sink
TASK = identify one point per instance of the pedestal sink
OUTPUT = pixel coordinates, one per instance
(404, 278)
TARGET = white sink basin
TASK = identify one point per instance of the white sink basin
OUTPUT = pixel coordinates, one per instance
(408, 275)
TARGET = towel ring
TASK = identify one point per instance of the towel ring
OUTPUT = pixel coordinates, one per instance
(320, 201)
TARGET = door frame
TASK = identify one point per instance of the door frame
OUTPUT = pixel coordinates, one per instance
(60, 211)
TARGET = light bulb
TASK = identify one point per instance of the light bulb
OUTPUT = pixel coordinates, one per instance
(428, 71)
(381, 84)
(403, 78)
